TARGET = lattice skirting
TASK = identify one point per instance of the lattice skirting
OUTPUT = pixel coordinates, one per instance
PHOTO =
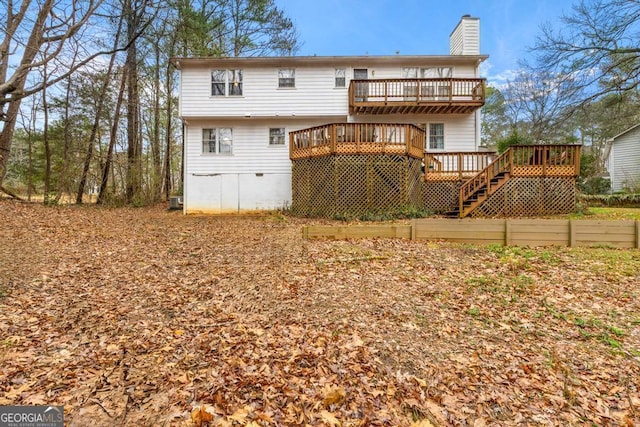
(355, 184)
(440, 196)
(530, 197)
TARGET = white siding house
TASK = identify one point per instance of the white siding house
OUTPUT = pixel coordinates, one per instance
(623, 160)
(237, 114)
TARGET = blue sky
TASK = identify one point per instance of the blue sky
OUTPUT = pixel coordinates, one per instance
(422, 27)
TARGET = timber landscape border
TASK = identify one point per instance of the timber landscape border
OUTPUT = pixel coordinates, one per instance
(509, 232)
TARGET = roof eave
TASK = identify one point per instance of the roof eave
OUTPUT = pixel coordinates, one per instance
(298, 61)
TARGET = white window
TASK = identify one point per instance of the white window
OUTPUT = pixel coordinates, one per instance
(235, 82)
(217, 141)
(226, 82)
(436, 73)
(286, 77)
(341, 77)
(218, 80)
(436, 136)
(410, 89)
(276, 136)
(410, 73)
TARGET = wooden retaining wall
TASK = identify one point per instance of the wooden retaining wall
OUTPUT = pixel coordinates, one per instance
(512, 232)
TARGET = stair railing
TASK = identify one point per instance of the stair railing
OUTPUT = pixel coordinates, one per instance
(483, 178)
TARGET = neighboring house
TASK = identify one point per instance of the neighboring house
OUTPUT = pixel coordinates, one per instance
(623, 160)
(238, 112)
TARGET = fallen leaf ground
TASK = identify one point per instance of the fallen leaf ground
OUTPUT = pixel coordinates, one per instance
(147, 317)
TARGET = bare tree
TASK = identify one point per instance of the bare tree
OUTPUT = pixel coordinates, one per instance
(51, 28)
(537, 103)
(598, 44)
(112, 140)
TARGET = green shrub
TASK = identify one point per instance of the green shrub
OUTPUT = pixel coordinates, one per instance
(594, 185)
(622, 200)
(514, 139)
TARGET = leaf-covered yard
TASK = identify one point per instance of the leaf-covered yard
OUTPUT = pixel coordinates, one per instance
(147, 317)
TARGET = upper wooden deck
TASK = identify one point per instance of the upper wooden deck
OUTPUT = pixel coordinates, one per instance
(416, 96)
(357, 138)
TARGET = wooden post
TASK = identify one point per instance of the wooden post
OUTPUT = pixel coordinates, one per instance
(460, 165)
(572, 233)
(291, 145)
(507, 232)
(510, 160)
(407, 138)
(637, 233)
(414, 223)
(334, 138)
(351, 96)
(576, 153)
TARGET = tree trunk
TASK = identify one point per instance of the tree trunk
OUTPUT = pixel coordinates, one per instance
(134, 159)
(47, 145)
(6, 136)
(112, 141)
(31, 49)
(156, 144)
(96, 120)
(169, 130)
(64, 179)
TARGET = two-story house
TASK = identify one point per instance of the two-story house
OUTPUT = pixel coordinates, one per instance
(238, 113)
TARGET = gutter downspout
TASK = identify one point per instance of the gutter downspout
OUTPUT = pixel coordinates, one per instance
(185, 128)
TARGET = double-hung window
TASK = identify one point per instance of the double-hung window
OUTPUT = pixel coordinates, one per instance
(217, 141)
(436, 136)
(226, 83)
(286, 77)
(341, 77)
(276, 136)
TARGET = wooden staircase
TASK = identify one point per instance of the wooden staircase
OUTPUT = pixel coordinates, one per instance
(477, 189)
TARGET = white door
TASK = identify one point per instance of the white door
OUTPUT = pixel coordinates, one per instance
(361, 89)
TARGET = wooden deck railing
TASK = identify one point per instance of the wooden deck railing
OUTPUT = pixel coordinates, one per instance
(453, 166)
(546, 160)
(357, 138)
(388, 96)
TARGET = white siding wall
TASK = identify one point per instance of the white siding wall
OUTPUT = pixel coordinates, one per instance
(459, 130)
(256, 176)
(625, 167)
(465, 39)
(315, 93)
